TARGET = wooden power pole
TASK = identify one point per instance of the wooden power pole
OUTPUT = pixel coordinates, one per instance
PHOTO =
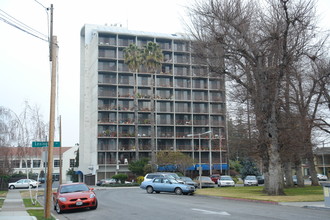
(53, 59)
(60, 150)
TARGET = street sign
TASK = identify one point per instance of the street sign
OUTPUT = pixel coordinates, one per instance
(44, 144)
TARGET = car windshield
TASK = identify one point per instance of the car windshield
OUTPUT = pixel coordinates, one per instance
(225, 178)
(204, 178)
(174, 181)
(174, 175)
(186, 178)
(74, 188)
(250, 177)
(170, 177)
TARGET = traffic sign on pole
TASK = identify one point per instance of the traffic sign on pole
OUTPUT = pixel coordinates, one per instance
(45, 144)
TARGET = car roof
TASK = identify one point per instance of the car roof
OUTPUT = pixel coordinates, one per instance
(67, 184)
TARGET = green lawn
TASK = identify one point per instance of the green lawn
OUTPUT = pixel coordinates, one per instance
(39, 214)
(28, 203)
(3, 193)
(296, 194)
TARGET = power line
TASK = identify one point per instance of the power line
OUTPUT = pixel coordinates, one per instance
(20, 23)
(41, 5)
(5, 17)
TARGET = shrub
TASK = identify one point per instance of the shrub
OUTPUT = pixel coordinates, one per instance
(235, 179)
(120, 177)
(140, 179)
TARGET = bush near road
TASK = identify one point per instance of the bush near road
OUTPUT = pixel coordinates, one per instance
(296, 194)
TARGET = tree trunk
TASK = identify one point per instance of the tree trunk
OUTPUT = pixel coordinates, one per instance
(153, 156)
(136, 119)
(275, 184)
(312, 170)
(288, 174)
(310, 158)
(299, 174)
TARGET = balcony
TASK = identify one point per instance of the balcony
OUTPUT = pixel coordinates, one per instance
(108, 107)
(107, 121)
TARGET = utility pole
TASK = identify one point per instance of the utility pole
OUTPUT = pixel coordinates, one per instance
(60, 150)
(53, 59)
(323, 160)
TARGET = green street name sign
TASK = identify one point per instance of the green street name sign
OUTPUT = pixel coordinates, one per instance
(44, 144)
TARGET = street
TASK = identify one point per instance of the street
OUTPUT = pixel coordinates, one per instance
(135, 203)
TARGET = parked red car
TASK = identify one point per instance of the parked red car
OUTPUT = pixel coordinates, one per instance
(215, 178)
(74, 196)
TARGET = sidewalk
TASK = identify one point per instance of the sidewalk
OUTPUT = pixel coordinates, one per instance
(13, 207)
(311, 205)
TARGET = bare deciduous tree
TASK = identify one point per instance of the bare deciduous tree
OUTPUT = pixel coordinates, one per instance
(256, 44)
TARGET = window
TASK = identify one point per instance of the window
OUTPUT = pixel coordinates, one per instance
(166, 181)
(36, 163)
(157, 180)
(72, 162)
(15, 164)
(24, 162)
(56, 163)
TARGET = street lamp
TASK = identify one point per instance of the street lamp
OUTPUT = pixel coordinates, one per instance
(200, 154)
(220, 145)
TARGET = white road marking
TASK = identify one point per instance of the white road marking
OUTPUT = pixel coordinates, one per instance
(208, 212)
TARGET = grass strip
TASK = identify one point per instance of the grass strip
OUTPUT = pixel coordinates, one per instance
(3, 193)
(39, 214)
(295, 194)
(28, 203)
(1, 202)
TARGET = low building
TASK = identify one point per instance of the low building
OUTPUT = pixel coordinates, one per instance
(32, 160)
(322, 160)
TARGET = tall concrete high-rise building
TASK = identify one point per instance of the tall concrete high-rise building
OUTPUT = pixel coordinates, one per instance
(185, 99)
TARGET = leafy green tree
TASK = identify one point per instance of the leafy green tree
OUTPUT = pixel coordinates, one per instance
(133, 58)
(77, 159)
(138, 167)
(72, 173)
(152, 59)
(249, 168)
(235, 165)
(120, 177)
(152, 56)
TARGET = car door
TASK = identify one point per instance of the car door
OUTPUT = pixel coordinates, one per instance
(26, 183)
(157, 184)
(20, 184)
(167, 185)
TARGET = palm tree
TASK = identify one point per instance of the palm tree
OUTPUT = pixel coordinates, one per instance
(152, 59)
(133, 58)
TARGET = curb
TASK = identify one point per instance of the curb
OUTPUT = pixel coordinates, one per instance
(251, 200)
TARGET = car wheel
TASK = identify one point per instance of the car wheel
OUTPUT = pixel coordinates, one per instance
(94, 207)
(58, 208)
(12, 187)
(150, 189)
(178, 191)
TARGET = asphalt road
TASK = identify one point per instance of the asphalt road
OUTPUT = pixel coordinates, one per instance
(135, 203)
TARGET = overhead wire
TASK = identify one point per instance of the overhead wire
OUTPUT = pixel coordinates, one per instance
(5, 17)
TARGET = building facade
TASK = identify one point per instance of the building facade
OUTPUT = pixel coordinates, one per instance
(183, 97)
(32, 160)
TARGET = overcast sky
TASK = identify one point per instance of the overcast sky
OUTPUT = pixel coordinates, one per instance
(24, 59)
